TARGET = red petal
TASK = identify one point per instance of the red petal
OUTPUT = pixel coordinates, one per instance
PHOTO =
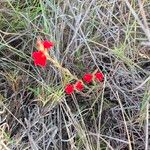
(99, 76)
(39, 58)
(69, 89)
(79, 85)
(35, 54)
(40, 62)
(88, 77)
(48, 44)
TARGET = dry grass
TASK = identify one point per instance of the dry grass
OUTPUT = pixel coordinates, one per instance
(112, 36)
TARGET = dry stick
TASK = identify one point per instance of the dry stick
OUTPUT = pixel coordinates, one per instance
(14, 116)
(2, 137)
(142, 84)
(144, 19)
(100, 117)
(62, 69)
(147, 121)
(143, 13)
(146, 127)
(78, 127)
(146, 30)
(82, 121)
(3, 145)
(122, 110)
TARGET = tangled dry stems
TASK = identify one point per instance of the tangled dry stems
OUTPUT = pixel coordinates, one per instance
(88, 34)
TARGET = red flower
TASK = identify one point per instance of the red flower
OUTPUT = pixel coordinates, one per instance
(48, 44)
(88, 77)
(99, 76)
(69, 89)
(39, 58)
(79, 85)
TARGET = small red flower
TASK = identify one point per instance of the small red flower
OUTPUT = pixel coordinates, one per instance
(69, 89)
(88, 77)
(48, 44)
(79, 85)
(99, 76)
(39, 58)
